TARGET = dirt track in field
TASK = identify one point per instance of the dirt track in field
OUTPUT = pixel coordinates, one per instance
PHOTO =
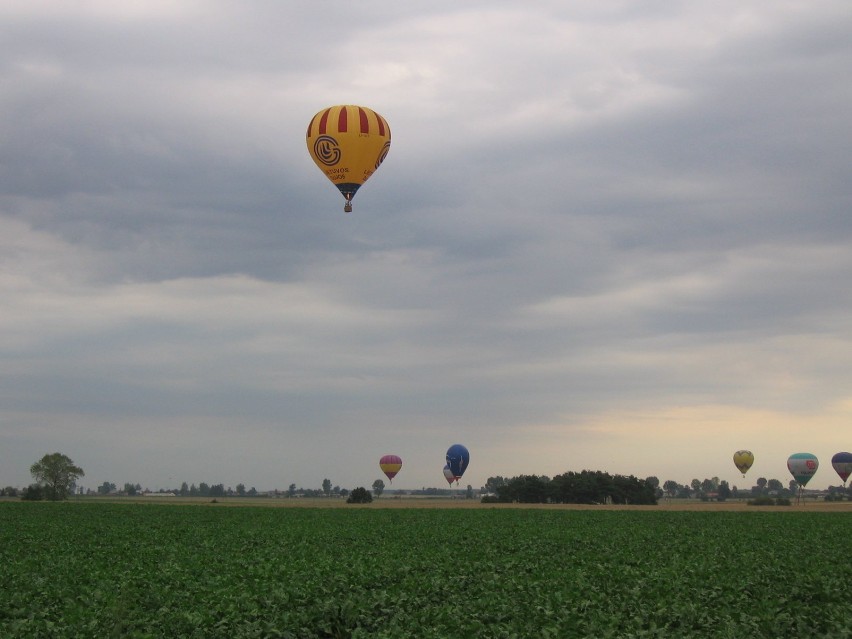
(424, 502)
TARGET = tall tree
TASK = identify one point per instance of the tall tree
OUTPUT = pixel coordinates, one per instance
(525, 489)
(326, 486)
(57, 474)
(378, 487)
(493, 484)
(671, 487)
(106, 488)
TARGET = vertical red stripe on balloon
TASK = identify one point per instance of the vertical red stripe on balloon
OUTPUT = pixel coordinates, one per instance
(365, 125)
(310, 126)
(342, 121)
(381, 124)
(324, 122)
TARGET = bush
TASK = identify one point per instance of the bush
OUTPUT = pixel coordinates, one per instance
(768, 501)
(761, 501)
(360, 496)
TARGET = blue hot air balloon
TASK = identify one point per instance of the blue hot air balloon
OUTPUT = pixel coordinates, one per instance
(842, 464)
(458, 459)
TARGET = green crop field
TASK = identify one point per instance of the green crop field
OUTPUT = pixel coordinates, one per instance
(151, 570)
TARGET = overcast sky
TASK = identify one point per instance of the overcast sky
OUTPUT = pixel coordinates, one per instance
(610, 236)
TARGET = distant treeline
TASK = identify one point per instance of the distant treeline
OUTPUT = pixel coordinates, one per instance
(584, 487)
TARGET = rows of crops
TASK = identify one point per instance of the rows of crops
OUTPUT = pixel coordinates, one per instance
(137, 570)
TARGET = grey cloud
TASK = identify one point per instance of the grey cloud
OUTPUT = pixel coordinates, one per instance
(588, 213)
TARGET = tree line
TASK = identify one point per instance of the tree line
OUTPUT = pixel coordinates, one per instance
(715, 490)
(204, 489)
(56, 476)
(584, 487)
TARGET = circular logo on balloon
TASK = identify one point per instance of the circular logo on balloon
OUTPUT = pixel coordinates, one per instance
(383, 153)
(326, 150)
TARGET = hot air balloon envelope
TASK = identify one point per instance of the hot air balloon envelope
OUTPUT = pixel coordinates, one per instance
(448, 474)
(458, 459)
(390, 465)
(348, 143)
(802, 466)
(842, 464)
(743, 459)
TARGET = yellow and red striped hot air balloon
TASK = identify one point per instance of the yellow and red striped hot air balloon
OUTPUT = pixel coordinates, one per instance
(390, 465)
(348, 143)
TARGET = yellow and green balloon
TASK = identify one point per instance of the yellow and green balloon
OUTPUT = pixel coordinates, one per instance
(743, 459)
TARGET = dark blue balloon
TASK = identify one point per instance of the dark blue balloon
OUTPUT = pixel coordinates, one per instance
(842, 463)
(457, 459)
(842, 458)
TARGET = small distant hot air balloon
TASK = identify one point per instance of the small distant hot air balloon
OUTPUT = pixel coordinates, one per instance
(842, 464)
(458, 459)
(448, 474)
(348, 143)
(802, 466)
(743, 459)
(390, 465)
